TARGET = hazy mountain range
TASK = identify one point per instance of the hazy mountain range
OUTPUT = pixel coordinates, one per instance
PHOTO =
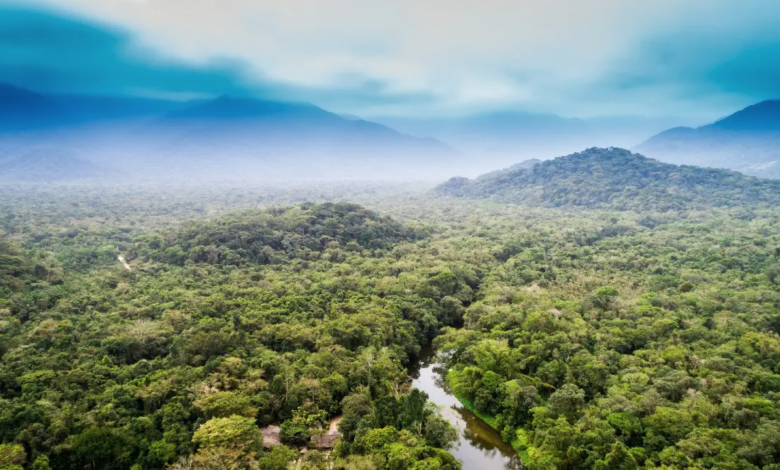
(747, 141)
(506, 137)
(227, 137)
(62, 137)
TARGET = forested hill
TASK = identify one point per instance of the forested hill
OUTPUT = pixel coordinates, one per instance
(113, 369)
(277, 235)
(618, 179)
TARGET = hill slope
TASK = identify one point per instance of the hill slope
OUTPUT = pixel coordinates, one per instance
(223, 138)
(261, 124)
(615, 178)
(47, 165)
(20, 109)
(764, 116)
(25, 110)
(252, 138)
(278, 235)
(747, 141)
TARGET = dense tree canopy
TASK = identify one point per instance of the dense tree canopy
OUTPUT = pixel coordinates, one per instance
(592, 339)
(630, 345)
(189, 353)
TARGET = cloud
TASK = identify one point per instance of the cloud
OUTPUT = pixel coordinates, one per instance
(406, 57)
(48, 52)
(55, 51)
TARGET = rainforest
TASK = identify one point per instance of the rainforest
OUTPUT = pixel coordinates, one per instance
(226, 327)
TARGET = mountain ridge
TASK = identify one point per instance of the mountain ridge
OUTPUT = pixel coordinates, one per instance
(616, 178)
(762, 116)
(224, 137)
(228, 106)
(747, 141)
(49, 165)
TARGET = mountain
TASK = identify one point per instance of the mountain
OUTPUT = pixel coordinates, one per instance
(747, 141)
(48, 165)
(615, 178)
(24, 110)
(21, 109)
(223, 138)
(761, 117)
(500, 138)
(264, 121)
(273, 139)
(230, 108)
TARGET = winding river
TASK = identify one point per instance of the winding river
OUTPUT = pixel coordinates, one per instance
(480, 446)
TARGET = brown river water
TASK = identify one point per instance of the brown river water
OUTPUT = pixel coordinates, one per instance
(480, 446)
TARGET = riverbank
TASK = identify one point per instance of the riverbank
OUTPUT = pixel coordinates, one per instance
(519, 444)
(479, 444)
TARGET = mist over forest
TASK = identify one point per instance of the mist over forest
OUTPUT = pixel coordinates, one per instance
(537, 235)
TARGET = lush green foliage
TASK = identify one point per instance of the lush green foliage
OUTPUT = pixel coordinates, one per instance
(188, 354)
(630, 344)
(591, 339)
(616, 179)
(277, 236)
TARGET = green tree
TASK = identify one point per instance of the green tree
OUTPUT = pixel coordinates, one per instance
(277, 458)
(12, 457)
(41, 463)
(567, 401)
(235, 433)
(226, 403)
(618, 458)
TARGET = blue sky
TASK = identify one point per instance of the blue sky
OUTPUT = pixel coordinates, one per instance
(693, 60)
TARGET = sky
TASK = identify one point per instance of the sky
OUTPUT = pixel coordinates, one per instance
(693, 60)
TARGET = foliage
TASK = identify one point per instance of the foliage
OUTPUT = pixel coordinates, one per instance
(235, 433)
(115, 368)
(640, 348)
(277, 458)
(12, 457)
(277, 235)
(616, 179)
(592, 338)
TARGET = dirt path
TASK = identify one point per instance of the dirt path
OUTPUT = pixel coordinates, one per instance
(124, 262)
(333, 426)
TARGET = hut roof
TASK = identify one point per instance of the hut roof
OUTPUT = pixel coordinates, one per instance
(325, 441)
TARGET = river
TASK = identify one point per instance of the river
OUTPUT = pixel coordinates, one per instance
(480, 446)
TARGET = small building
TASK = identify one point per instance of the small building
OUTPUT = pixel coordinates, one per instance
(325, 441)
(272, 435)
(328, 440)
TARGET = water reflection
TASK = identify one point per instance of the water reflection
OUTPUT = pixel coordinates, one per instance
(480, 446)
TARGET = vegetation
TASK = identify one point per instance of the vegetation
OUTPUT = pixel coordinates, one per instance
(638, 344)
(616, 179)
(592, 339)
(284, 315)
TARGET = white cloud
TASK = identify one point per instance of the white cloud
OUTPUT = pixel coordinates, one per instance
(470, 54)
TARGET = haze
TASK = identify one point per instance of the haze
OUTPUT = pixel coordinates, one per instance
(389, 235)
(483, 85)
